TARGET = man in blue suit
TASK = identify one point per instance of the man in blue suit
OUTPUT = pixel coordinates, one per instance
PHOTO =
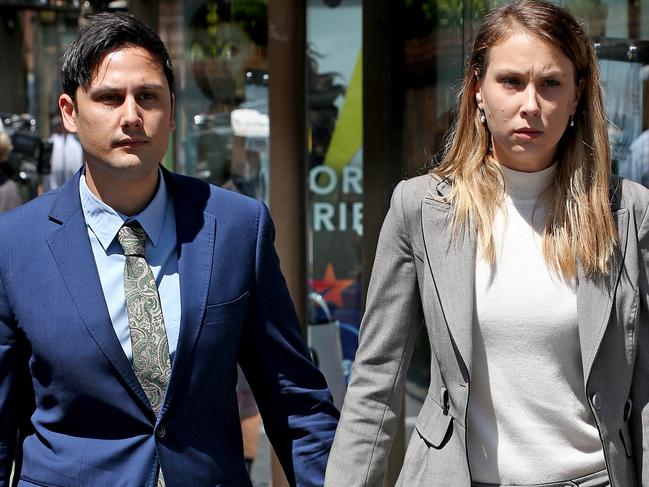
(128, 295)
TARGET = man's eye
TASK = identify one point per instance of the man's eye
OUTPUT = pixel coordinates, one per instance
(148, 96)
(109, 98)
(550, 82)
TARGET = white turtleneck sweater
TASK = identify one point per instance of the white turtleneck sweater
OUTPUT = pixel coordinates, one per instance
(528, 419)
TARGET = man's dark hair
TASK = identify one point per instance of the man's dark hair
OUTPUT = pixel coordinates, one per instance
(102, 34)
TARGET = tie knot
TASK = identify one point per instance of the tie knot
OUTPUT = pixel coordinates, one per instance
(132, 238)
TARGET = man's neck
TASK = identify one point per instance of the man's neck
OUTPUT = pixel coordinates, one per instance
(124, 195)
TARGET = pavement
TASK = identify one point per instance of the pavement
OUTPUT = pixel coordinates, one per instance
(260, 473)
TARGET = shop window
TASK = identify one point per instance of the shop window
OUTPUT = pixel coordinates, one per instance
(222, 96)
(335, 165)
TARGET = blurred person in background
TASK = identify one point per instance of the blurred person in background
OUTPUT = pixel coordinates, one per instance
(9, 190)
(250, 420)
(67, 155)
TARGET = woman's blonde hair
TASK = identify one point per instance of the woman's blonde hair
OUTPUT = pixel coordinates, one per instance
(579, 227)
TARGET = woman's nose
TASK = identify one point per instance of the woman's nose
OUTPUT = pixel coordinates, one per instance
(530, 106)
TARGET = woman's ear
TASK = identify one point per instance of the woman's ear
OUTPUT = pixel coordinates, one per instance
(478, 97)
(578, 91)
(477, 87)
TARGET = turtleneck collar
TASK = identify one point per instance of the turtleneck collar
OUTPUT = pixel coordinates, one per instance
(527, 186)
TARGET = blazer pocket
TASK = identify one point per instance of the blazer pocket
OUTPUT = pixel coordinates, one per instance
(433, 424)
(26, 482)
(233, 310)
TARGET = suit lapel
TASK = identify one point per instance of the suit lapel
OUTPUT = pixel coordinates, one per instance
(71, 249)
(452, 265)
(595, 298)
(195, 233)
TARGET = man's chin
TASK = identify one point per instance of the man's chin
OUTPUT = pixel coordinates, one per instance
(124, 168)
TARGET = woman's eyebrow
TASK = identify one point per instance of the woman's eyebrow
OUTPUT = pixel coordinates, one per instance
(550, 73)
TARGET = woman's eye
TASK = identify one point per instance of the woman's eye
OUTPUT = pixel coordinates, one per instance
(509, 82)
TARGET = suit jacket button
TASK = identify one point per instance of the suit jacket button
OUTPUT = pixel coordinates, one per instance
(160, 432)
(597, 402)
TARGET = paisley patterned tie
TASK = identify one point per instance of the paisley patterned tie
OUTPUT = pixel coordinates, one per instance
(151, 362)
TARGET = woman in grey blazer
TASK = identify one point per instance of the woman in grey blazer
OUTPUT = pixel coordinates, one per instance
(526, 260)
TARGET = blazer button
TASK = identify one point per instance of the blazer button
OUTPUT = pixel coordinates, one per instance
(160, 432)
(597, 402)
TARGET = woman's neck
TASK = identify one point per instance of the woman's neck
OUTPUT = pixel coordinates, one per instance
(527, 186)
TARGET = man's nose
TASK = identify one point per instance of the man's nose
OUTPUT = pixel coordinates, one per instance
(131, 116)
(530, 106)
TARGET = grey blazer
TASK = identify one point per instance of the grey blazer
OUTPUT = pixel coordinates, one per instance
(420, 276)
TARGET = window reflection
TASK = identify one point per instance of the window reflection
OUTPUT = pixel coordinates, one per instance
(223, 102)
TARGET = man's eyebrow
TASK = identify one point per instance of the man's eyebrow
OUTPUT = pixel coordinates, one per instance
(151, 86)
(102, 89)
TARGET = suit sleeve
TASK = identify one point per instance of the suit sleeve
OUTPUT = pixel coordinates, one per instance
(294, 401)
(8, 387)
(388, 331)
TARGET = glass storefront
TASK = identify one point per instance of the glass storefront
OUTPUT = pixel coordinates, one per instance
(335, 163)
(222, 100)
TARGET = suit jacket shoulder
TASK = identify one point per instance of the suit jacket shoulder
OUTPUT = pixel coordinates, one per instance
(212, 199)
(630, 195)
(410, 196)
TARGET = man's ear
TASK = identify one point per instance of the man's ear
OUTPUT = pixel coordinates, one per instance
(172, 119)
(68, 113)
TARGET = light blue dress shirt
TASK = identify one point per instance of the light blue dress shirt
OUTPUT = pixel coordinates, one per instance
(159, 223)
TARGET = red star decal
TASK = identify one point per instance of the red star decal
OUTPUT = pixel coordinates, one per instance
(331, 288)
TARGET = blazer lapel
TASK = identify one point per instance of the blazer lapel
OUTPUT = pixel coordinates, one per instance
(452, 265)
(195, 233)
(71, 249)
(595, 298)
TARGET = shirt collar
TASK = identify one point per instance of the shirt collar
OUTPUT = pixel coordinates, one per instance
(105, 222)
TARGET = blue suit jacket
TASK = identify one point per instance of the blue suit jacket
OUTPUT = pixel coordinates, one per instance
(69, 391)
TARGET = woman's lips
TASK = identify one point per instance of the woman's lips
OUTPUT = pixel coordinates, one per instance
(527, 134)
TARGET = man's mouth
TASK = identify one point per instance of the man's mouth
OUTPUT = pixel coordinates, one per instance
(130, 142)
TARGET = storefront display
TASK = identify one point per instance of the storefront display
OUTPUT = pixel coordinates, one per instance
(624, 67)
(335, 158)
(222, 110)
